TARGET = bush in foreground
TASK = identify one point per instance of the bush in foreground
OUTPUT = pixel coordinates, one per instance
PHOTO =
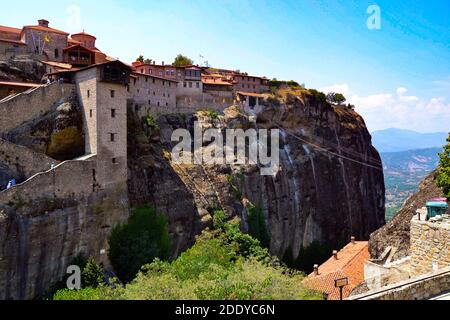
(139, 241)
(214, 268)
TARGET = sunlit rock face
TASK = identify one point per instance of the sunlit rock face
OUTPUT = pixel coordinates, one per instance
(329, 187)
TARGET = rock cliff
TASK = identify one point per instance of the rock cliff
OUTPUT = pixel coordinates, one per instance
(329, 188)
(396, 233)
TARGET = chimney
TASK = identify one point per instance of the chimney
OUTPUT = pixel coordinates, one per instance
(352, 239)
(163, 63)
(335, 254)
(316, 269)
(43, 23)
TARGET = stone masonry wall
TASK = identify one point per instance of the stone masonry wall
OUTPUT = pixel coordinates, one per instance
(69, 179)
(419, 288)
(430, 249)
(152, 91)
(28, 106)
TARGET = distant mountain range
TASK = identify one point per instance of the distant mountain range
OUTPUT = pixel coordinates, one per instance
(395, 140)
(403, 171)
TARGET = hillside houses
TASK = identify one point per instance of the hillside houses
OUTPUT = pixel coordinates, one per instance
(152, 85)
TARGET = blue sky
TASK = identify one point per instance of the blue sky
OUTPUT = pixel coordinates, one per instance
(398, 76)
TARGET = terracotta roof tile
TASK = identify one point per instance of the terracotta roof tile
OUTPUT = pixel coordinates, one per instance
(46, 29)
(350, 264)
(16, 31)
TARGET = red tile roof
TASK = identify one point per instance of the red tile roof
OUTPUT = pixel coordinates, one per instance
(45, 29)
(13, 41)
(350, 264)
(20, 84)
(84, 34)
(10, 30)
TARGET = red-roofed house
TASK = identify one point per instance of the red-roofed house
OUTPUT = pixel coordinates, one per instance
(53, 44)
(347, 263)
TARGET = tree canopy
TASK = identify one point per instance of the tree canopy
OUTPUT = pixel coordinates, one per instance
(443, 176)
(334, 97)
(181, 60)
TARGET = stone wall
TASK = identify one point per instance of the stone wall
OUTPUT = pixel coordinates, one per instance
(31, 104)
(419, 288)
(11, 49)
(86, 87)
(430, 248)
(69, 179)
(205, 101)
(377, 275)
(152, 91)
(22, 160)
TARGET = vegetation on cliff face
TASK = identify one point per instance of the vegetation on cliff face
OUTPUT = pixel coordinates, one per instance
(139, 241)
(443, 173)
(223, 264)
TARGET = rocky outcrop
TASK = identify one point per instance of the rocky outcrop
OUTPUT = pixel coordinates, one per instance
(58, 133)
(396, 233)
(41, 238)
(22, 70)
(329, 188)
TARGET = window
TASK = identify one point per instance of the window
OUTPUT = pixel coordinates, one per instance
(88, 93)
(146, 79)
(113, 160)
(184, 84)
(163, 83)
(153, 80)
(154, 93)
(164, 94)
(190, 84)
(56, 53)
(198, 85)
(167, 104)
(168, 95)
(149, 102)
(170, 84)
(90, 113)
(112, 136)
(158, 103)
(113, 113)
(128, 88)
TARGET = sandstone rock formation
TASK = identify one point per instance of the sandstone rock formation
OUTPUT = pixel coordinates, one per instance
(330, 186)
(396, 233)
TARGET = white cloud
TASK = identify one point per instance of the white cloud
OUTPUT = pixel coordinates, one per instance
(385, 110)
(73, 20)
(403, 98)
(338, 88)
(401, 91)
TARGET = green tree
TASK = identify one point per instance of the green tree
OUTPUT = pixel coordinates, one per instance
(334, 97)
(92, 274)
(443, 174)
(140, 58)
(181, 61)
(139, 241)
(148, 61)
